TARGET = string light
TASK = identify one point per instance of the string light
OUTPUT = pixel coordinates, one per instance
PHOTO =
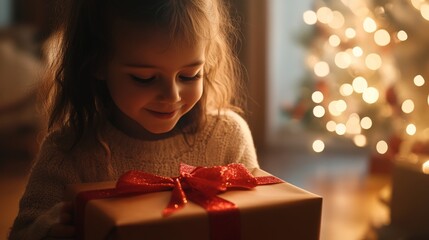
(382, 147)
(411, 129)
(350, 33)
(425, 167)
(366, 123)
(337, 20)
(346, 89)
(402, 35)
(359, 84)
(357, 51)
(324, 15)
(317, 97)
(343, 60)
(318, 146)
(369, 25)
(419, 80)
(318, 111)
(310, 17)
(382, 37)
(331, 126)
(353, 124)
(360, 140)
(340, 129)
(334, 40)
(370, 95)
(424, 11)
(321, 69)
(373, 61)
(407, 106)
(417, 3)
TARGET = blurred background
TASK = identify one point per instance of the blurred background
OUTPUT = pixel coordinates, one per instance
(338, 105)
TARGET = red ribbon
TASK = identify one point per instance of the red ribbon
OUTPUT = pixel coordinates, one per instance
(197, 184)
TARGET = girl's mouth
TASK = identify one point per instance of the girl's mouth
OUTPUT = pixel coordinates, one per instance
(162, 115)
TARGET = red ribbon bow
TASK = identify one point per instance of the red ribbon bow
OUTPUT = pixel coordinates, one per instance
(197, 184)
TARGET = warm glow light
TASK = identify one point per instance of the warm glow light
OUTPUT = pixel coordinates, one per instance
(373, 61)
(425, 167)
(340, 129)
(369, 25)
(424, 11)
(370, 95)
(402, 35)
(334, 40)
(343, 60)
(359, 140)
(346, 89)
(336, 108)
(407, 106)
(382, 147)
(317, 97)
(411, 129)
(382, 37)
(366, 123)
(310, 17)
(318, 146)
(357, 51)
(353, 124)
(428, 99)
(350, 33)
(330, 126)
(337, 21)
(359, 84)
(417, 3)
(419, 80)
(324, 15)
(318, 111)
(321, 69)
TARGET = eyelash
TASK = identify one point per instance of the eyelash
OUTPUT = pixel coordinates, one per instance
(148, 80)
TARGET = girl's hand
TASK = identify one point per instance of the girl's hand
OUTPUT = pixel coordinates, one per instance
(64, 228)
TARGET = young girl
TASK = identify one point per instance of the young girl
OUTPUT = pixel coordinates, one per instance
(138, 85)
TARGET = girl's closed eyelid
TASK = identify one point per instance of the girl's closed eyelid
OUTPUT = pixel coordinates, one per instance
(142, 80)
(191, 78)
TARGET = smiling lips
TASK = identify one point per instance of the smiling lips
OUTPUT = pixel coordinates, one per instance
(163, 115)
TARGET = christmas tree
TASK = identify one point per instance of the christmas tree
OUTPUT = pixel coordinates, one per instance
(370, 73)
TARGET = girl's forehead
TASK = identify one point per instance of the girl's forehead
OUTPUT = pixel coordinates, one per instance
(142, 44)
(128, 33)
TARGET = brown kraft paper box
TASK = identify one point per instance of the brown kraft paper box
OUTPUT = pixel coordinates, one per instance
(277, 211)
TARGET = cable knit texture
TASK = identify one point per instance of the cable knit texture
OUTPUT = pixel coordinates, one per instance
(225, 138)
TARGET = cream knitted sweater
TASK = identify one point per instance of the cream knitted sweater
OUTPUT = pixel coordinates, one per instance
(225, 139)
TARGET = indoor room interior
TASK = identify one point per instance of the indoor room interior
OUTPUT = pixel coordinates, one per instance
(337, 106)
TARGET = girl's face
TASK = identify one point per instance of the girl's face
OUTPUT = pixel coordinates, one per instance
(152, 81)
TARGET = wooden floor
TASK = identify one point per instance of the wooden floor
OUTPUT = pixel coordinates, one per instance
(350, 194)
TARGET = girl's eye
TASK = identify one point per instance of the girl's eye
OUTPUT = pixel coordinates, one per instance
(193, 78)
(142, 80)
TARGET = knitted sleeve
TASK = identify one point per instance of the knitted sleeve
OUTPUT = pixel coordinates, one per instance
(235, 140)
(50, 173)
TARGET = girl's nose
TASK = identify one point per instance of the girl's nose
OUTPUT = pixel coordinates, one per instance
(170, 92)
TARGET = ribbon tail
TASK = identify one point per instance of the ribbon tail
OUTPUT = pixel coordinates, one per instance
(265, 180)
(177, 200)
(224, 216)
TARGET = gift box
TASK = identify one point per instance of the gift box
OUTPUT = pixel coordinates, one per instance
(409, 211)
(275, 211)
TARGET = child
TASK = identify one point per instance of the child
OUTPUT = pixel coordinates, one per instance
(139, 85)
